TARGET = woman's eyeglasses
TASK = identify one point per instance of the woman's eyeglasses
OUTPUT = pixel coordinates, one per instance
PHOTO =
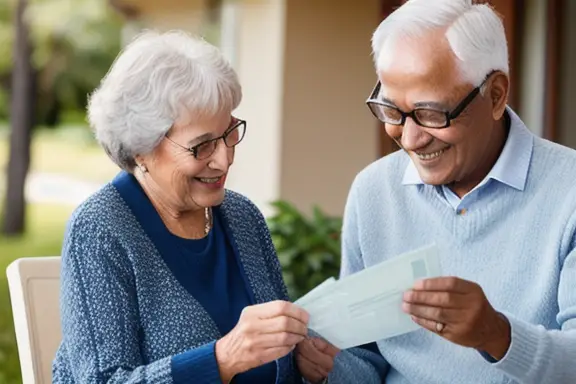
(205, 149)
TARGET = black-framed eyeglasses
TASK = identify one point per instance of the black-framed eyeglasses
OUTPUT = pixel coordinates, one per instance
(423, 116)
(205, 149)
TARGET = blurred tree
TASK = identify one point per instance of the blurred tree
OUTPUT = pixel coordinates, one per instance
(75, 43)
(60, 58)
(6, 37)
(22, 108)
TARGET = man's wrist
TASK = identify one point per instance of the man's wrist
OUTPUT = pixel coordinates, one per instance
(498, 347)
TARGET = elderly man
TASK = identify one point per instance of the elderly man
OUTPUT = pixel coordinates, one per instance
(498, 201)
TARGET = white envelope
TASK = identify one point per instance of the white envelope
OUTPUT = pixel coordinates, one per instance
(366, 306)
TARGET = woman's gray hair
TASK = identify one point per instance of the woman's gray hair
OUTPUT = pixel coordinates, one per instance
(153, 80)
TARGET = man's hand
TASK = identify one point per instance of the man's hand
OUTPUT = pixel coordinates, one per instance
(458, 310)
(315, 358)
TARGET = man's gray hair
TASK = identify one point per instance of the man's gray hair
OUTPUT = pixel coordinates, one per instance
(474, 31)
(153, 80)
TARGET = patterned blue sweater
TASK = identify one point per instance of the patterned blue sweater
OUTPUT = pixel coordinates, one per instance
(517, 242)
(125, 316)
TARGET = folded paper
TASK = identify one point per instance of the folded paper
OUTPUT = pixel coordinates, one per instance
(366, 306)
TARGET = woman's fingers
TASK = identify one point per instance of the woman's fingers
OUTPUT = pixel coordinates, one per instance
(279, 308)
(279, 339)
(264, 333)
(270, 354)
(283, 324)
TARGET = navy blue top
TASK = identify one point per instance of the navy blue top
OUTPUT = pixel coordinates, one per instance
(209, 270)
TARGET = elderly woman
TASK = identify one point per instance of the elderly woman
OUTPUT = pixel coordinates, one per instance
(166, 276)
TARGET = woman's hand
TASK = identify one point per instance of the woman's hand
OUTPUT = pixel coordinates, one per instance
(264, 333)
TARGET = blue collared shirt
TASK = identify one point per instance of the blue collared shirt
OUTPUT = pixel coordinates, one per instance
(510, 169)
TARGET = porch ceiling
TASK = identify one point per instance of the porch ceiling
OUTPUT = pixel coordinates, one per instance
(135, 8)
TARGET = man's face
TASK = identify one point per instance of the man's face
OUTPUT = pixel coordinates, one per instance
(424, 72)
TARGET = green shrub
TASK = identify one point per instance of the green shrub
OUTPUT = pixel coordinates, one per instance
(308, 247)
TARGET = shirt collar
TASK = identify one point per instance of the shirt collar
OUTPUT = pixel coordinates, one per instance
(512, 166)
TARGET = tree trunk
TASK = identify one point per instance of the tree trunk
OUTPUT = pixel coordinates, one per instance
(22, 120)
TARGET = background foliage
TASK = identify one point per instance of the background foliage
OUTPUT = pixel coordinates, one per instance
(74, 43)
(308, 247)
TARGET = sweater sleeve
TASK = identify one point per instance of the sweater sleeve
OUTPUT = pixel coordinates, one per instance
(99, 315)
(359, 364)
(537, 355)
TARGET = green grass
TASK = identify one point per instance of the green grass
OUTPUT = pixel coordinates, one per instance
(66, 150)
(46, 224)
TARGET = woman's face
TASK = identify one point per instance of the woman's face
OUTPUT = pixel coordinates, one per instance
(182, 181)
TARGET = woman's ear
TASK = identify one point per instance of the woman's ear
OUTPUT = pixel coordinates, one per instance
(141, 164)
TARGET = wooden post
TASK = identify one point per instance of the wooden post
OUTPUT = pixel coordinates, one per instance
(512, 12)
(554, 40)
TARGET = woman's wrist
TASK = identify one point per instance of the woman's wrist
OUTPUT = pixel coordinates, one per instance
(225, 362)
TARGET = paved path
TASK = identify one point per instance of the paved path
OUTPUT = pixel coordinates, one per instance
(58, 189)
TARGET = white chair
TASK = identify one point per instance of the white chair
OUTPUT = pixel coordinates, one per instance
(34, 285)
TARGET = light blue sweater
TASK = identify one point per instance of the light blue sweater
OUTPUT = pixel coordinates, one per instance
(517, 241)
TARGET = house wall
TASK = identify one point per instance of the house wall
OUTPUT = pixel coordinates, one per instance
(259, 60)
(328, 133)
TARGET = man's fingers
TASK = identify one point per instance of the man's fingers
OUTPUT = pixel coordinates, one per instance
(428, 324)
(435, 298)
(308, 350)
(311, 371)
(319, 343)
(444, 284)
(430, 313)
(326, 347)
(332, 351)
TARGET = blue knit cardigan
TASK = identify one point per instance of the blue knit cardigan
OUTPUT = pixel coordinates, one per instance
(124, 314)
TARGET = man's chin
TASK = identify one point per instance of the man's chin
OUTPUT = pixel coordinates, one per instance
(434, 179)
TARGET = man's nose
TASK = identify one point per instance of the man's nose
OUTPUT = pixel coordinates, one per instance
(414, 136)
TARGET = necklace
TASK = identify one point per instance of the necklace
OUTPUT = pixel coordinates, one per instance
(207, 220)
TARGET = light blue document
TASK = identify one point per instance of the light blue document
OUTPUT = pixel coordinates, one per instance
(366, 306)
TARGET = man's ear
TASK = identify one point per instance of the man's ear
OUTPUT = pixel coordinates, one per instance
(498, 94)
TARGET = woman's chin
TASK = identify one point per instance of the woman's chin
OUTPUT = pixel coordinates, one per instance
(210, 199)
